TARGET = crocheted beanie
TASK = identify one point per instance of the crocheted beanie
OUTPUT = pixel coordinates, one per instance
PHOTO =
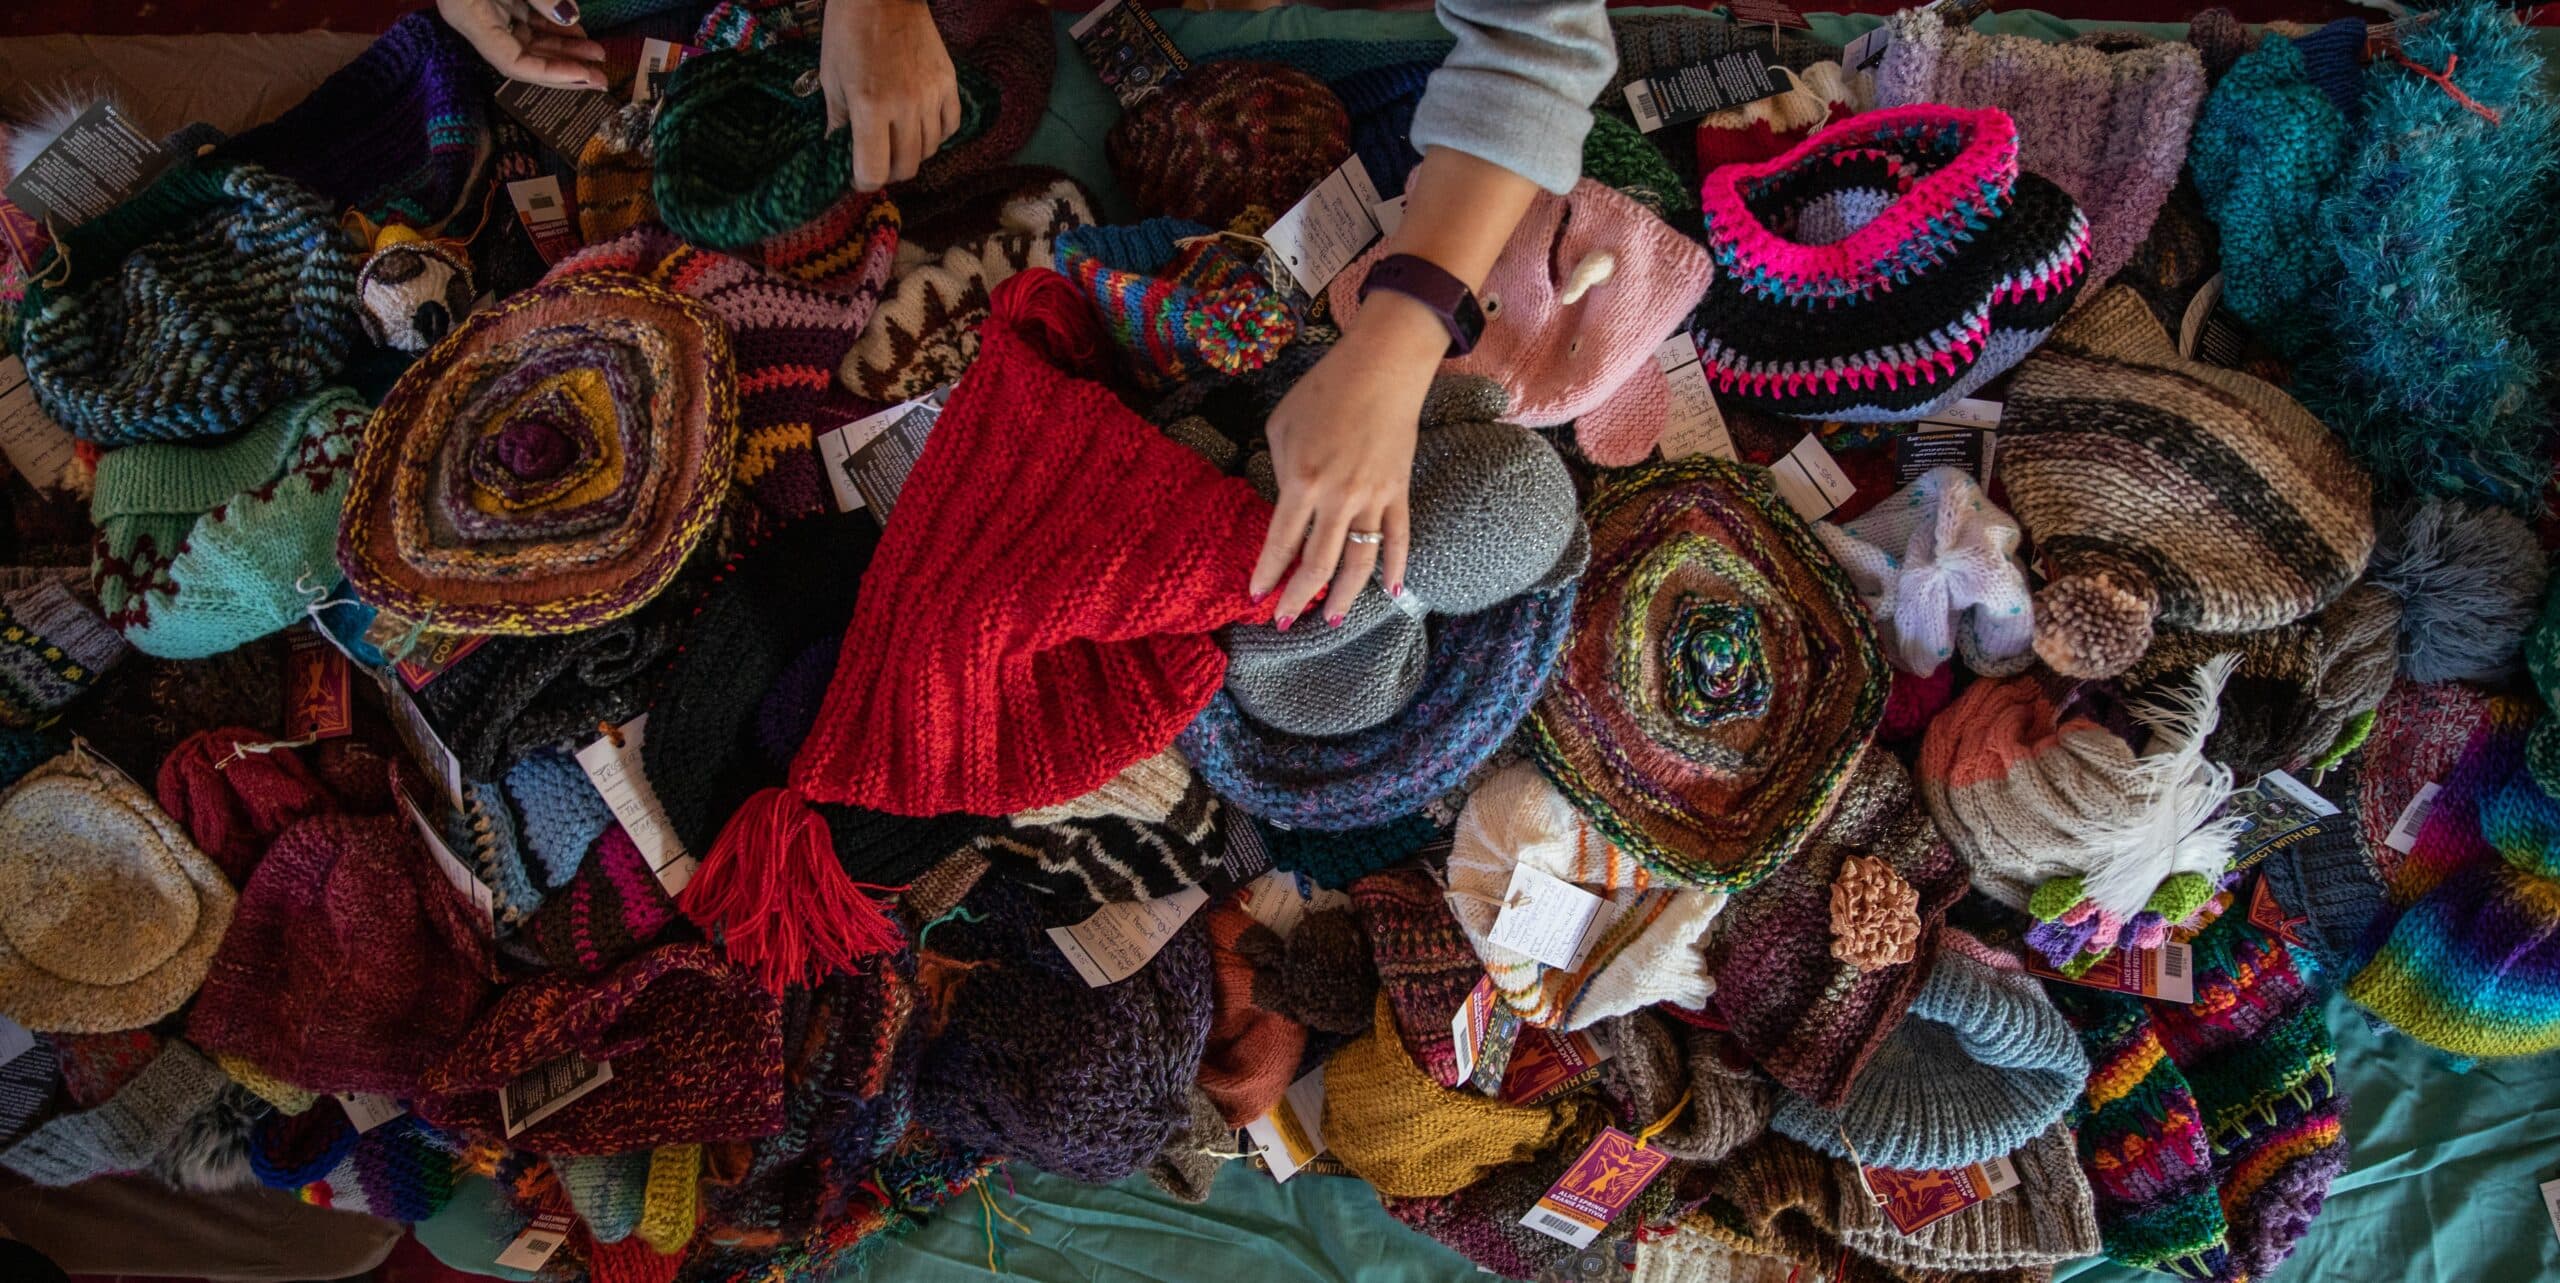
(400, 135)
(2143, 1143)
(2107, 125)
(1334, 859)
(2107, 428)
(1937, 567)
(2300, 693)
(1397, 1128)
(109, 916)
(1584, 291)
(1380, 102)
(402, 1170)
(1488, 1222)
(2269, 146)
(1079, 653)
(609, 910)
(1033, 1063)
(1178, 302)
(1426, 966)
(53, 648)
(1721, 680)
(190, 310)
(1815, 965)
(695, 1044)
(413, 290)
(925, 330)
(204, 548)
(549, 465)
(1227, 137)
(1885, 267)
(124, 1133)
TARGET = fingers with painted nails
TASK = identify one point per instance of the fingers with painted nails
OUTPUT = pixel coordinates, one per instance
(536, 41)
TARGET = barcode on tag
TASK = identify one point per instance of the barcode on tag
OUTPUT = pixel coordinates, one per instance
(532, 1248)
(1563, 1227)
(2173, 960)
(1640, 101)
(2403, 837)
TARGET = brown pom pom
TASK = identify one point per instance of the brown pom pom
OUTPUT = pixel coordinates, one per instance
(2093, 625)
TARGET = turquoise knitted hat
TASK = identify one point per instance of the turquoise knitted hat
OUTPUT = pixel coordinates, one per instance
(201, 549)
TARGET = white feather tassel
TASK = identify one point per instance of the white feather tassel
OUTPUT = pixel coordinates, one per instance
(2175, 791)
(53, 111)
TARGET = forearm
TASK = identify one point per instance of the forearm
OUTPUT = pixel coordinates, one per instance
(1517, 89)
(1459, 212)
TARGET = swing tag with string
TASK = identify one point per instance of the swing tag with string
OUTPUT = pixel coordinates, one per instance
(1292, 1134)
(1593, 1192)
(97, 163)
(612, 764)
(1547, 918)
(1913, 1201)
(1328, 227)
(319, 687)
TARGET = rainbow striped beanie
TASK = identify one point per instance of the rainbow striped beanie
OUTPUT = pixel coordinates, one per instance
(1176, 300)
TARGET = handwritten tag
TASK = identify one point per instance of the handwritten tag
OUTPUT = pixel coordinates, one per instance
(368, 1110)
(1281, 900)
(1914, 1201)
(1810, 481)
(1599, 1186)
(2403, 837)
(1546, 918)
(1866, 52)
(38, 448)
(1122, 936)
(2166, 973)
(1292, 1134)
(532, 1248)
(612, 764)
(1696, 425)
(544, 1090)
(1328, 227)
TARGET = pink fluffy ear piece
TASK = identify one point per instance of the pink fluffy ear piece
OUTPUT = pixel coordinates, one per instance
(1622, 430)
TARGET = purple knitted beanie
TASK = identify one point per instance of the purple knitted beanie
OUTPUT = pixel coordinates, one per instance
(399, 135)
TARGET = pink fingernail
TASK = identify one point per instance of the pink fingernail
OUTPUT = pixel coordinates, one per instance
(1334, 621)
(1283, 622)
(1264, 595)
(1396, 590)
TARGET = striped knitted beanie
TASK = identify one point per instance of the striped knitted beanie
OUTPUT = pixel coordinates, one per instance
(2302, 693)
(612, 908)
(53, 648)
(1178, 302)
(1884, 267)
(2143, 1143)
(512, 696)
(216, 295)
(1426, 967)
(2108, 430)
(1721, 679)
(1228, 137)
(1154, 830)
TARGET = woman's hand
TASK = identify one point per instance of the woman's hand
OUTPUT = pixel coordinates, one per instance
(541, 46)
(887, 76)
(1342, 450)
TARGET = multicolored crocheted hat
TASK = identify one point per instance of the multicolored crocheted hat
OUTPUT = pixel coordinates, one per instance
(2108, 429)
(53, 648)
(1885, 267)
(219, 293)
(1721, 679)
(1425, 965)
(550, 465)
(1228, 137)
(1178, 301)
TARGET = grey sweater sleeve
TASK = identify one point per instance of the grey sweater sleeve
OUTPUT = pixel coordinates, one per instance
(1517, 90)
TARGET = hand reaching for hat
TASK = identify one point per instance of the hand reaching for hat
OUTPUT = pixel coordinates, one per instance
(886, 74)
(537, 41)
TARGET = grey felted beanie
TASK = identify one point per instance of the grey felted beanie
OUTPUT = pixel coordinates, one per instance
(127, 1132)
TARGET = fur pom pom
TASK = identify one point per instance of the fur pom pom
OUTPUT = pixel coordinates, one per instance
(51, 112)
(2469, 578)
(211, 1153)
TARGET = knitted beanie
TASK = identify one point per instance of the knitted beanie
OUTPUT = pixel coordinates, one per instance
(1937, 567)
(123, 1134)
(1227, 137)
(235, 803)
(1488, 1221)
(1885, 267)
(414, 290)
(925, 330)
(2275, 521)
(217, 294)
(1334, 859)
(402, 1171)
(1086, 646)
(1586, 288)
(513, 695)
(1651, 948)
(53, 648)
(1426, 966)
(2106, 125)
(1033, 1063)
(1689, 1081)
(695, 1044)
(1720, 683)
(1619, 157)
(559, 814)
(1154, 830)
(400, 135)
(109, 916)
(203, 548)
(2419, 736)
(742, 147)
(1801, 981)
(605, 1190)
(1252, 1053)
(549, 465)
(2298, 692)
(289, 1151)
(2470, 581)
(1380, 102)
(1177, 301)
(614, 176)
(1397, 1128)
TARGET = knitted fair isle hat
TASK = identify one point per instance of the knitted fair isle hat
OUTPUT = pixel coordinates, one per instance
(2143, 1144)
(1937, 568)
(1721, 680)
(1885, 267)
(53, 648)
(2108, 431)
(1812, 972)
(1585, 290)
(1177, 301)
(1154, 830)
(2107, 126)
(220, 292)
(925, 330)
(549, 465)
(1228, 137)
(2302, 693)
(696, 1048)
(204, 548)
(1397, 1128)
(351, 964)
(109, 916)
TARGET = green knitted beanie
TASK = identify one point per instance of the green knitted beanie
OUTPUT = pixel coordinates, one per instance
(1617, 155)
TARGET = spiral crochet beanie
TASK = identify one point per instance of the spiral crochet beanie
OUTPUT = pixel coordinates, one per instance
(1885, 267)
(53, 648)
(1395, 1127)
(1936, 565)
(1721, 680)
(204, 548)
(1102, 557)
(2107, 125)
(549, 465)
(2275, 519)
(1586, 288)
(1228, 137)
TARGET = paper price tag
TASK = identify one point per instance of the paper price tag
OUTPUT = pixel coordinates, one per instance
(1292, 1134)
(1696, 425)
(2166, 973)
(368, 1110)
(1327, 228)
(544, 211)
(1281, 901)
(1599, 1186)
(1121, 937)
(532, 1248)
(319, 687)
(419, 736)
(1810, 481)
(98, 163)
(612, 764)
(1702, 89)
(483, 901)
(1545, 1064)
(2403, 837)
(38, 448)
(1546, 918)
(1914, 1201)
(2277, 814)
(1126, 48)
(564, 119)
(547, 1089)
(867, 460)
(15, 1040)
(1866, 52)
(1467, 1027)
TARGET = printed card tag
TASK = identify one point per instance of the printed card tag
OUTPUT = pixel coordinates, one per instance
(612, 764)
(419, 736)
(1810, 481)
(368, 1110)
(1121, 937)
(1292, 1134)
(1866, 53)
(2403, 837)
(2166, 973)
(544, 1090)
(15, 1040)
(1545, 917)
(658, 60)
(2277, 814)
(483, 901)
(1776, 13)
(433, 654)
(855, 471)
(2268, 916)
(1701, 89)
(564, 119)
(1126, 48)
(1599, 1186)
(1546, 1064)
(1914, 1201)
(38, 448)
(1696, 425)
(98, 163)
(544, 211)
(1281, 900)
(1919, 452)
(319, 687)
(1467, 1028)
(1327, 228)
(532, 1248)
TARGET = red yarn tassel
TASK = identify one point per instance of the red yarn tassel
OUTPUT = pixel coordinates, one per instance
(782, 907)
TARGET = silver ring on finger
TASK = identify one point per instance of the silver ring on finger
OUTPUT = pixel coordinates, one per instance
(1367, 536)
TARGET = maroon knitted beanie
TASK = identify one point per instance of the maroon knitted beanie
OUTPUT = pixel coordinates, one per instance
(1426, 967)
(234, 804)
(1228, 136)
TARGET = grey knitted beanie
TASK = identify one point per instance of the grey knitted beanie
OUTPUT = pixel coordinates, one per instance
(2047, 1218)
(127, 1132)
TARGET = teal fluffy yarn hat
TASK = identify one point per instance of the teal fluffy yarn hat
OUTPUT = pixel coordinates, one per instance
(190, 310)
(204, 548)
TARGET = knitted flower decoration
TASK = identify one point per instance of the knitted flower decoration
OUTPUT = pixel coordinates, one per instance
(1875, 915)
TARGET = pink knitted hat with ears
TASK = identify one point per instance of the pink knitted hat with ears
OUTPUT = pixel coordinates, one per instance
(1590, 284)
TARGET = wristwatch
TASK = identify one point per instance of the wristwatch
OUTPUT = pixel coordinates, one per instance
(1429, 284)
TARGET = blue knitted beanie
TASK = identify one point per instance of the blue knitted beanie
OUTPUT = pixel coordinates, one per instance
(559, 814)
